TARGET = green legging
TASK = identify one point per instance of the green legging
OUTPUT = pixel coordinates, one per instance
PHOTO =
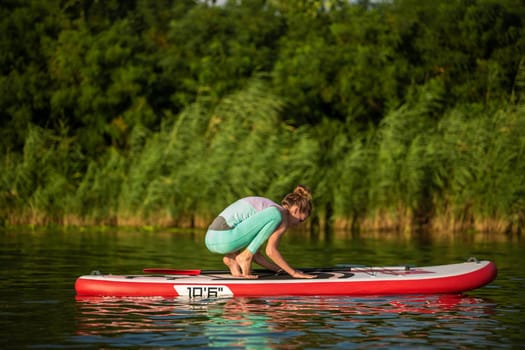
(251, 233)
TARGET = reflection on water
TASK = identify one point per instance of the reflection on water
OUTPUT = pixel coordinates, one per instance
(442, 321)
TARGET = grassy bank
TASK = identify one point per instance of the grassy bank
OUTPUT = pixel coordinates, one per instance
(461, 169)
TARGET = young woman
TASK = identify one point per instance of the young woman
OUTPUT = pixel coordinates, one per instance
(243, 227)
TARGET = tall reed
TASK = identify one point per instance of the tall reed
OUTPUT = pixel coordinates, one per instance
(427, 166)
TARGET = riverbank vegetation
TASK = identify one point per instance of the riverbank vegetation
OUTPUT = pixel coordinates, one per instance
(398, 114)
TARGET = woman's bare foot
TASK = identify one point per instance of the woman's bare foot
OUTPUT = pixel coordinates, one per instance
(229, 260)
(244, 260)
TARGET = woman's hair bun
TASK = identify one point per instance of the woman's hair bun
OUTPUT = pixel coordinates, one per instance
(303, 191)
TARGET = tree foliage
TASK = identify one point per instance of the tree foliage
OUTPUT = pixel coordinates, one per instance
(398, 113)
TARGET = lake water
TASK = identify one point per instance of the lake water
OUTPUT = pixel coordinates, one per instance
(39, 309)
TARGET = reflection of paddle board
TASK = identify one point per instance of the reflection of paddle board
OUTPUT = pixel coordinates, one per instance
(452, 278)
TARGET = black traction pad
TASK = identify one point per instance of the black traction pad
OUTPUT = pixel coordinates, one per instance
(273, 277)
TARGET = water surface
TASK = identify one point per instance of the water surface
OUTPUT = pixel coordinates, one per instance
(40, 310)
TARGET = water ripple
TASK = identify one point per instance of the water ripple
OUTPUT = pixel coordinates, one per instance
(415, 321)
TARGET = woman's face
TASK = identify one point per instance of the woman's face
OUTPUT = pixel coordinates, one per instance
(296, 217)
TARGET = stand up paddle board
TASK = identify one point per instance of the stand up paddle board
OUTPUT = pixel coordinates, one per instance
(344, 280)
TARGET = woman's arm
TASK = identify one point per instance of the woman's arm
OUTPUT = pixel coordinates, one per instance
(273, 252)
